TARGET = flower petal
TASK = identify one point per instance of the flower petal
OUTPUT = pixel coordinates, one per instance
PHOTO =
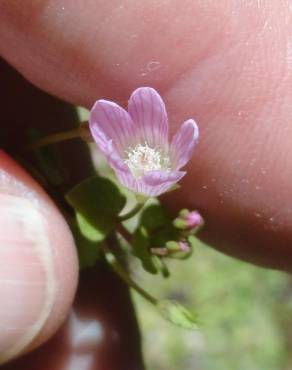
(156, 178)
(153, 184)
(108, 121)
(148, 112)
(183, 144)
(127, 179)
(114, 159)
(159, 182)
(106, 146)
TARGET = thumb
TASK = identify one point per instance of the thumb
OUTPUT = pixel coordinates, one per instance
(38, 264)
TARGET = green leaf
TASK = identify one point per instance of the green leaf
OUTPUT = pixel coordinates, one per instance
(159, 225)
(154, 217)
(142, 251)
(88, 252)
(154, 231)
(90, 232)
(160, 237)
(97, 201)
(177, 314)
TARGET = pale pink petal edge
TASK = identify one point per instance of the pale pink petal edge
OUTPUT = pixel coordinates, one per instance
(183, 144)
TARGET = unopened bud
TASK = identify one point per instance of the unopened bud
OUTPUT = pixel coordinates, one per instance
(194, 219)
(179, 248)
(188, 220)
(183, 246)
(176, 249)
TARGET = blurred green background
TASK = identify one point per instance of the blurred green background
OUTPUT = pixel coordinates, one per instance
(245, 315)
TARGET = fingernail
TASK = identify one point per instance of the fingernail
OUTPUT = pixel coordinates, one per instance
(27, 286)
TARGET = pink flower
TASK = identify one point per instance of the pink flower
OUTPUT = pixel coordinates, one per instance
(136, 144)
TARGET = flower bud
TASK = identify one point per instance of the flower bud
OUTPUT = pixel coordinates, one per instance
(184, 246)
(178, 249)
(188, 220)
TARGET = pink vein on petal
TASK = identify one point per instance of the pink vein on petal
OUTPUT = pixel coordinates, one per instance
(149, 115)
(109, 120)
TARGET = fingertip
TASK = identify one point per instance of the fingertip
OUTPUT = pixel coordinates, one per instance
(39, 270)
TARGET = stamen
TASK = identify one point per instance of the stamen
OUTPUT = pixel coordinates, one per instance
(143, 158)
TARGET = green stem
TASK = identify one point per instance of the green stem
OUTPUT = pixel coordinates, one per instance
(124, 232)
(123, 274)
(55, 138)
(132, 213)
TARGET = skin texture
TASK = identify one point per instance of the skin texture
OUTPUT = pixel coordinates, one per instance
(100, 332)
(227, 64)
(40, 274)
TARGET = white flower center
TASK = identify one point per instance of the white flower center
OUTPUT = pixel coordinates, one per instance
(143, 158)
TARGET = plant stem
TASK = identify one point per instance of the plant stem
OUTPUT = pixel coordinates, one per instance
(55, 138)
(123, 274)
(132, 213)
(124, 232)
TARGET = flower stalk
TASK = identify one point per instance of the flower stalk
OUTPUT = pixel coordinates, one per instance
(136, 209)
(124, 232)
(81, 132)
(123, 274)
